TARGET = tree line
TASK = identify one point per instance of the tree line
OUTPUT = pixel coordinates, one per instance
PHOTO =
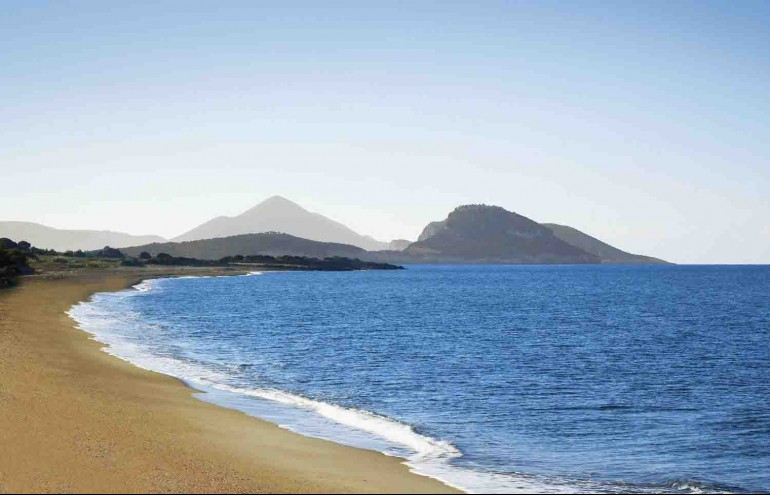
(15, 260)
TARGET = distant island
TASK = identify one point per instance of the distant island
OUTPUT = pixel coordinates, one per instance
(491, 234)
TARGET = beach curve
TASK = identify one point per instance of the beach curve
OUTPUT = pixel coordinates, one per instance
(76, 419)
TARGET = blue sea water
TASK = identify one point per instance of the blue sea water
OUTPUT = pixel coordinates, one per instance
(601, 379)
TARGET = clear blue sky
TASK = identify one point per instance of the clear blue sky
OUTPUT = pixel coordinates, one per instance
(646, 124)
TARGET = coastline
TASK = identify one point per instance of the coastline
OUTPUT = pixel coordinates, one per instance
(76, 419)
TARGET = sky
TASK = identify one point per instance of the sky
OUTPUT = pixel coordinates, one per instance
(646, 124)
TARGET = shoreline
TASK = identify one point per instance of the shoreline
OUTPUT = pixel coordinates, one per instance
(77, 419)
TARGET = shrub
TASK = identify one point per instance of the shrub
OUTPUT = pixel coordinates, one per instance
(131, 262)
(109, 252)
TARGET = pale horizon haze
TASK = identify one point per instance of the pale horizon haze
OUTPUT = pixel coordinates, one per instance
(645, 124)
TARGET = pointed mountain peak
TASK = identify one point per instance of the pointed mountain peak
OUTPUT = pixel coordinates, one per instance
(275, 204)
(278, 214)
(277, 199)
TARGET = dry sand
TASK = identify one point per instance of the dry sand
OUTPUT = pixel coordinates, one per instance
(74, 419)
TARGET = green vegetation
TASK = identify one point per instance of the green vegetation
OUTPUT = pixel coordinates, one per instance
(335, 263)
(265, 243)
(15, 260)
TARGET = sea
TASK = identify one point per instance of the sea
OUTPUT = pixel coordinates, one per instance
(493, 379)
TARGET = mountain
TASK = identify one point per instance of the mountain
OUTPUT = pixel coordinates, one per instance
(269, 243)
(70, 240)
(592, 245)
(398, 244)
(491, 234)
(278, 214)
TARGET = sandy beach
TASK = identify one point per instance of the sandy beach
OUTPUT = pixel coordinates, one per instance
(74, 419)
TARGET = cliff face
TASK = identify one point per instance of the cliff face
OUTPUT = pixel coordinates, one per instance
(490, 234)
(430, 230)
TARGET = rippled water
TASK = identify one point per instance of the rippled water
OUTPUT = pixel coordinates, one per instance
(494, 379)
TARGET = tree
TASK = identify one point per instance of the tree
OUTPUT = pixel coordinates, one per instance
(145, 255)
(24, 246)
(6, 243)
(109, 252)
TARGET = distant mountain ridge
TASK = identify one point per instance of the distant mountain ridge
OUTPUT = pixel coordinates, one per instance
(491, 234)
(278, 214)
(398, 244)
(71, 240)
(470, 234)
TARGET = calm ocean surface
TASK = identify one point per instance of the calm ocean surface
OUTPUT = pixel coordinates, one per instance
(493, 378)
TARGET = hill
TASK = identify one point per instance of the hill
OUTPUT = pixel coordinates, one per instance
(269, 243)
(491, 234)
(398, 244)
(278, 214)
(71, 240)
(592, 245)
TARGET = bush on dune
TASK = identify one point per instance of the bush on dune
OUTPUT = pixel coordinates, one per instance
(12, 258)
(13, 263)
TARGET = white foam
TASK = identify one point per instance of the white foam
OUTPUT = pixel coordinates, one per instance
(145, 286)
(385, 428)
